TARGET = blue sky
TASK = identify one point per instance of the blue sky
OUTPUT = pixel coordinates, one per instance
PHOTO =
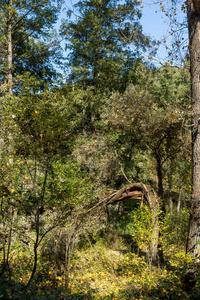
(157, 25)
(154, 20)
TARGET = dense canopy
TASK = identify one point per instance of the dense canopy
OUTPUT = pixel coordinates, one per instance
(99, 176)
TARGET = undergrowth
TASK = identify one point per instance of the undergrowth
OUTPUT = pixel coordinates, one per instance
(109, 265)
(102, 272)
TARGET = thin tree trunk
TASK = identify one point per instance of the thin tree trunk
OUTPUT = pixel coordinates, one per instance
(35, 250)
(68, 253)
(10, 54)
(180, 192)
(84, 98)
(170, 189)
(4, 249)
(160, 182)
(162, 204)
(193, 242)
(9, 241)
(6, 254)
(37, 217)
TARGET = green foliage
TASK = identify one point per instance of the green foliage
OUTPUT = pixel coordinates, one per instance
(174, 229)
(98, 39)
(64, 148)
(149, 125)
(34, 48)
(140, 227)
(40, 185)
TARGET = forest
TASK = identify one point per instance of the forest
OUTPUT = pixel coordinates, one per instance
(99, 152)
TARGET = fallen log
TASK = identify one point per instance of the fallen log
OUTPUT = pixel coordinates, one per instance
(148, 196)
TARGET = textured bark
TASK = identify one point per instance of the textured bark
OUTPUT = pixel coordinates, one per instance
(193, 246)
(196, 4)
(150, 198)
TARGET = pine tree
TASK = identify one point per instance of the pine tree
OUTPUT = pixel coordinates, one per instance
(98, 41)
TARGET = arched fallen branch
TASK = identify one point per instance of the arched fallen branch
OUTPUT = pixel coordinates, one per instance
(148, 196)
(133, 191)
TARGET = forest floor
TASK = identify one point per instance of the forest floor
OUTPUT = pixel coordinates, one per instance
(108, 271)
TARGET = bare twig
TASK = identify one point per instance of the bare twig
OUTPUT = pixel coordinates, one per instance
(122, 168)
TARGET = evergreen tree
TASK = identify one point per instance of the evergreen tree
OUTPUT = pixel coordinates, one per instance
(98, 42)
(25, 38)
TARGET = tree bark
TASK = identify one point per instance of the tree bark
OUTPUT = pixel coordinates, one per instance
(10, 54)
(170, 188)
(160, 182)
(35, 250)
(193, 242)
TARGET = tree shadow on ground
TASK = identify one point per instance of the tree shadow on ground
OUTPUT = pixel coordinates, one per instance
(9, 289)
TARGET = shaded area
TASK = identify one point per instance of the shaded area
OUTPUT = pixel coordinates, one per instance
(148, 196)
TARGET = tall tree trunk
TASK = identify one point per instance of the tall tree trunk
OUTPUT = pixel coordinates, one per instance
(4, 249)
(7, 239)
(10, 54)
(160, 181)
(170, 188)
(161, 203)
(193, 243)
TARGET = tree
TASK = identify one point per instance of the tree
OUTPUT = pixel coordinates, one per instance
(192, 7)
(159, 127)
(193, 13)
(26, 40)
(147, 194)
(98, 42)
(38, 181)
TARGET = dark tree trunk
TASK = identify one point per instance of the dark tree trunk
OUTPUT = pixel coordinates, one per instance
(161, 203)
(35, 255)
(170, 188)
(160, 182)
(193, 246)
